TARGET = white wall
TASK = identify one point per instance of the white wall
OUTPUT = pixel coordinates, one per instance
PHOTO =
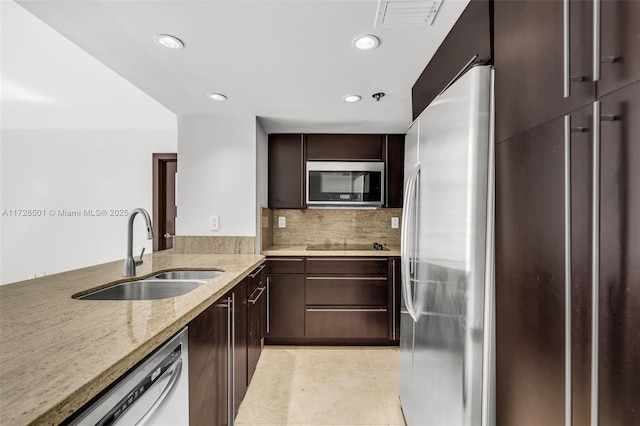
(74, 135)
(216, 175)
(262, 179)
(52, 170)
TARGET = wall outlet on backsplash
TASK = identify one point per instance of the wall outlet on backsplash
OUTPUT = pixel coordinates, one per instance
(395, 222)
(282, 222)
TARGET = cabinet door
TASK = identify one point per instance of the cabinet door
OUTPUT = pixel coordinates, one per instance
(240, 343)
(256, 311)
(468, 40)
(528, 58)
(208, 362)
(394, 160)
(619, 321)
(620, 39)
(530, 268)
(286, 171)
(344, 147)
(395, 294)
(286, 305)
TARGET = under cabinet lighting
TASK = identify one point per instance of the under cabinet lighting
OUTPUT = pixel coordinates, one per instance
(169, 41)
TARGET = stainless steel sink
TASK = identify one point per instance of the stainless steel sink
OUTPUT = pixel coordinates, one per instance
(150, 289)
(187, 275)
(160, 286)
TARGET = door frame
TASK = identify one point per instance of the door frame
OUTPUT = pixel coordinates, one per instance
(159, 191)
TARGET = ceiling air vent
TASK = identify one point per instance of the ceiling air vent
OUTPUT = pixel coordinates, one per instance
(407, 13)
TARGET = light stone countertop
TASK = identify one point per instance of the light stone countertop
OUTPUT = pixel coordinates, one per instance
(56, 353)
(301, 250)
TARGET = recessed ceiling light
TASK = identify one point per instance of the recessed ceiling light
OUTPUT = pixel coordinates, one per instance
(217, 96)
(168, 41)
(366, 42)
(351, 98)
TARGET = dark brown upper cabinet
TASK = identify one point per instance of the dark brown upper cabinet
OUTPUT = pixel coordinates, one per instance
(355, 147)
(529, 54)
(468, 43)
(619, 45)
(394, 171)
(286, 171)
(288, 154)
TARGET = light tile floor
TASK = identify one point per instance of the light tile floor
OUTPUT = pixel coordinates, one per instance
(323, 386)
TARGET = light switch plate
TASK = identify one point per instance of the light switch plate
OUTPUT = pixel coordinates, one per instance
(282, 222)
(395, 223)
(214, 223)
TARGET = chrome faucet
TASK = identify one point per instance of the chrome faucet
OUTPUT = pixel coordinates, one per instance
(130, 263)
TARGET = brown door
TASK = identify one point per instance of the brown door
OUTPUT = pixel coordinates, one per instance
(619, 284)
(165, 167)
(528, 57)
(619, 45)
(530, 285)
(208, 360)
(286, 171)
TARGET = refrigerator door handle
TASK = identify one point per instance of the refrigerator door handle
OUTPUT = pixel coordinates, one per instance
(595, 265)
(406, 257)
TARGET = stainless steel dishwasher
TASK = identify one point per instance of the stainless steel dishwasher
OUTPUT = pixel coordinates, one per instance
(155, 392)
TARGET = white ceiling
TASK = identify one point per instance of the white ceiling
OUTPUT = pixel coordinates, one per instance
(288, 62)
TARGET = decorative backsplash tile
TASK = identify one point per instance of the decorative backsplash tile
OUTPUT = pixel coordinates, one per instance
(190, 244)
(334, 226)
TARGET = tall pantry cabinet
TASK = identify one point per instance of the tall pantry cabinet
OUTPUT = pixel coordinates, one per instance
(567, 212)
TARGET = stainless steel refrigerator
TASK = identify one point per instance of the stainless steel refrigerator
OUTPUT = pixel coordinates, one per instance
(446, 336)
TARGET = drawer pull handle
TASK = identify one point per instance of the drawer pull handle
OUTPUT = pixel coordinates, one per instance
(273, 259)
(257, 271)
(349, 278)
(253, 300)
(343, 259)
(347, 310)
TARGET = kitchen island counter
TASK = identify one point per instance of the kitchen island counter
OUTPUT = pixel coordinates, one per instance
(56, 352)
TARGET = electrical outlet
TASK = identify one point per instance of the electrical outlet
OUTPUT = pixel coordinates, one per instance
(214, 223)
(395, 223)
(282, 222)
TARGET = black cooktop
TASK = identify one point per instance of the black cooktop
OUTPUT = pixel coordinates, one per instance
(374, 246)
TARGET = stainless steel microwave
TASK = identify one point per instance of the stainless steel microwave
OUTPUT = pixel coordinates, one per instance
(345, 184)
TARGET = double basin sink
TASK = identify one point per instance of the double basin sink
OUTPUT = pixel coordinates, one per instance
(160, 286)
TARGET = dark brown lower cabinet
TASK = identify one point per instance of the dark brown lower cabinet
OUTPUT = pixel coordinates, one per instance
(333, 300)
(218, 359)
(530, 269)
(240, 343)
(395, 295)
(286, 306)
(256, 320)
(208, 365)
(346, 322)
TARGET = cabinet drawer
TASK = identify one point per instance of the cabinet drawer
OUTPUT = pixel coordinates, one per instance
(285, 265)
(377, 266)
(346, 291)
(359, 323)
(255, 278)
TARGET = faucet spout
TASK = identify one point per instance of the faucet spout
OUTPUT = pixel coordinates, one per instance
(130, 263)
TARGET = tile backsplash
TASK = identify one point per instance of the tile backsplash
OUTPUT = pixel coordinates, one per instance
(331, 226)
(192, 244)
